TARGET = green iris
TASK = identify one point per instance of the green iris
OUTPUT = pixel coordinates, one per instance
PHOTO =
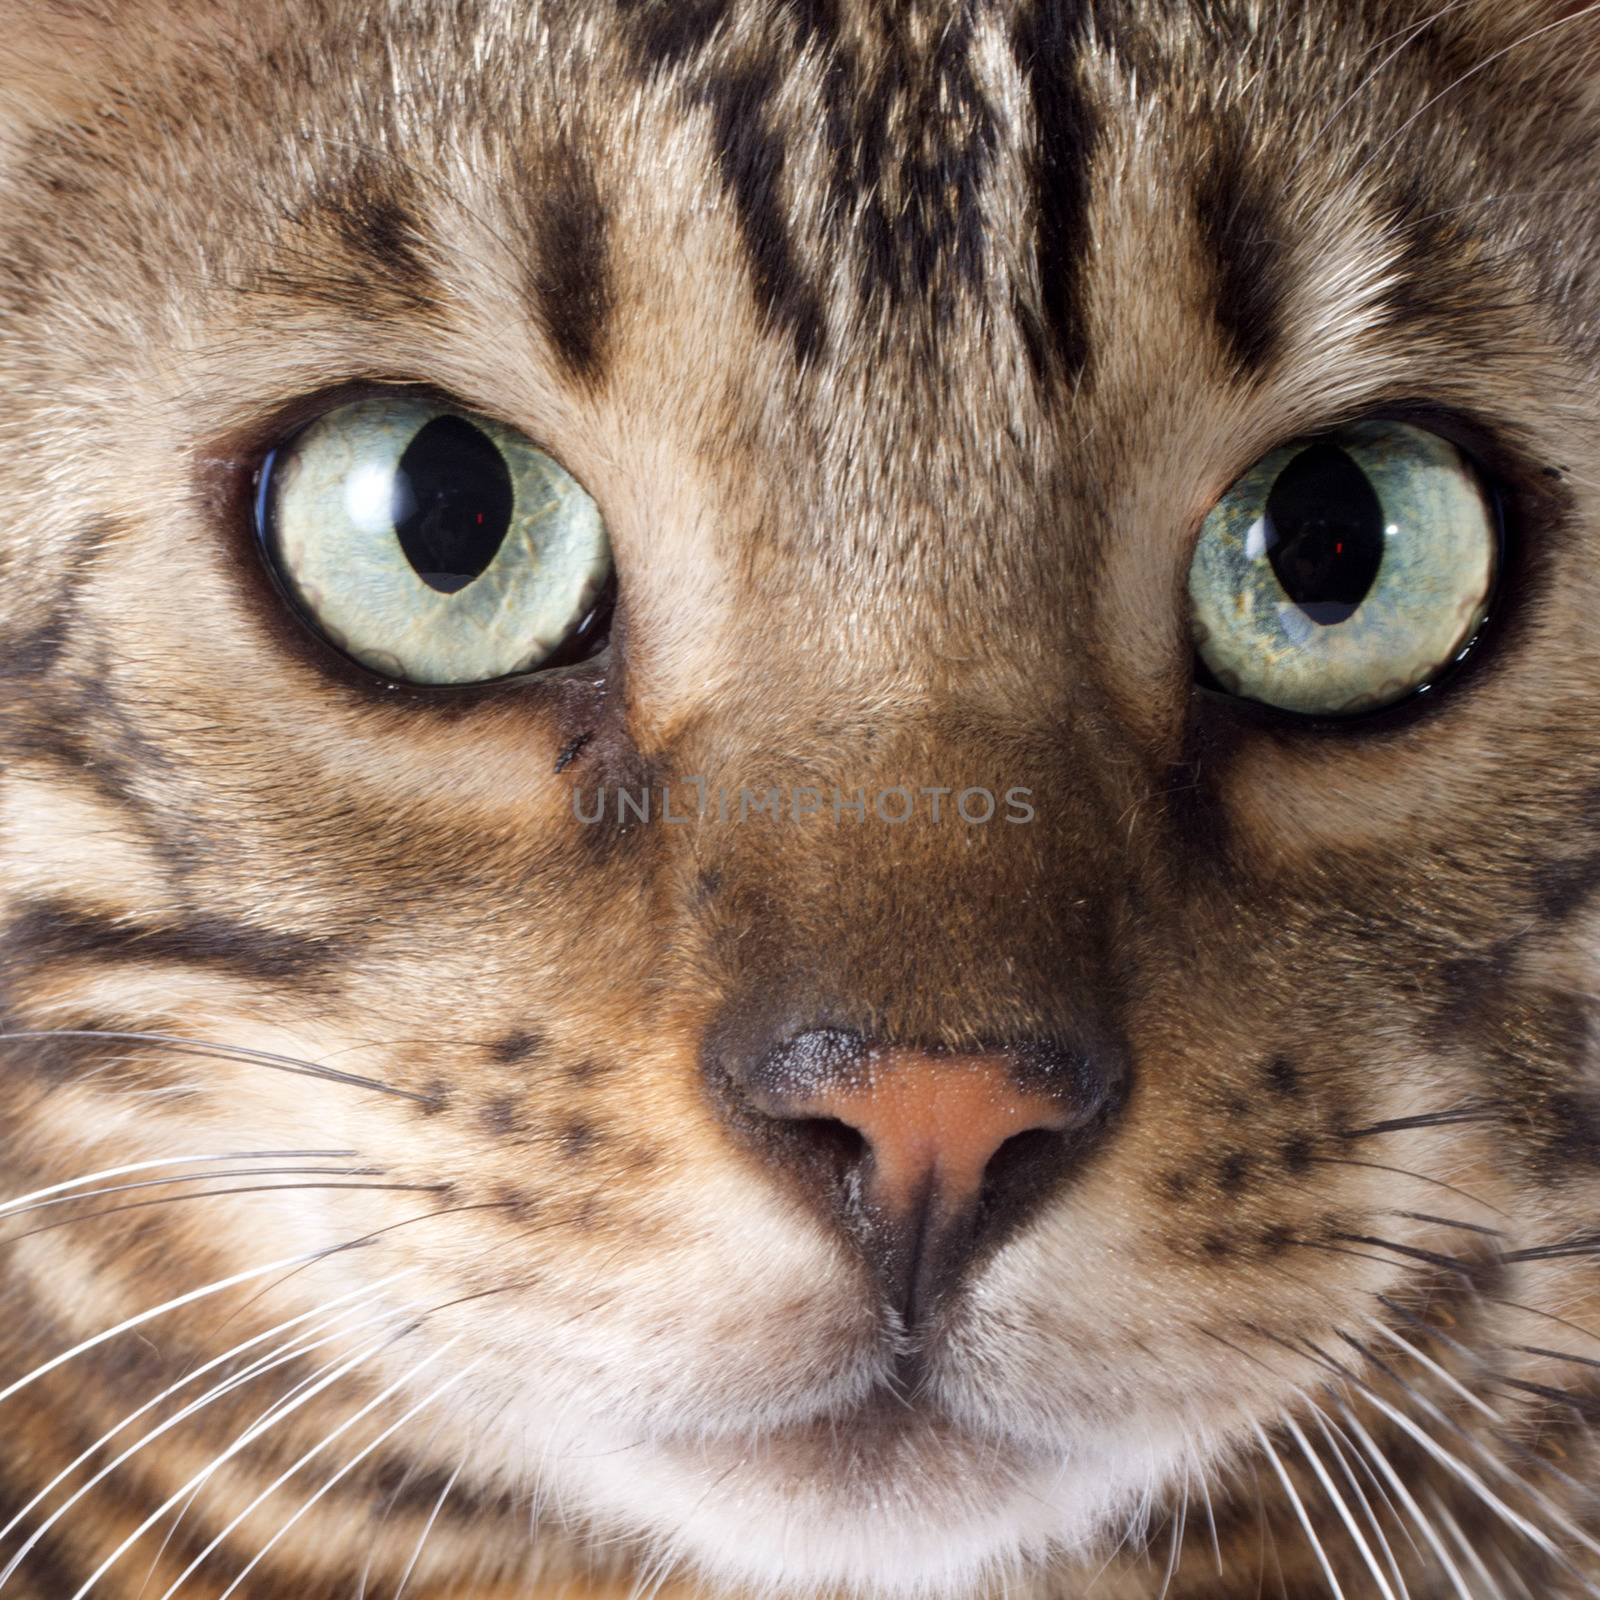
(1343, 573)
(431, 545)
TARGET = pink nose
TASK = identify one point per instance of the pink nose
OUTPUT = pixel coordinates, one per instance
(926, 1157)
(932, 1124)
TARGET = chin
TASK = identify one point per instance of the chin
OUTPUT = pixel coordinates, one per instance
(885, 1500)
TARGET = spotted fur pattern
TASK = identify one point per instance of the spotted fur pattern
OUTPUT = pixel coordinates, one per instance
(903, 344)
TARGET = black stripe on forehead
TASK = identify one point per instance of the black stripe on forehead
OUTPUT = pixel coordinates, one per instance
(678, 36)
(568, 281)
(924, 115)
(1243, 240)
(750, 159)
(374, 214)
(672, 33)
(1048, 41)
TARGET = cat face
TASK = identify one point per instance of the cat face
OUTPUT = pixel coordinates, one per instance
(743, 1174)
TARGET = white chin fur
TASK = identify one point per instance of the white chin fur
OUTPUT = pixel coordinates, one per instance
(926, 1517)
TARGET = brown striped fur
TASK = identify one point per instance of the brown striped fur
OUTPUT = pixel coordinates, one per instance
(903, 344)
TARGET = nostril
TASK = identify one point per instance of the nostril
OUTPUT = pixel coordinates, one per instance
(843, 1146)
(829, 1150)
(1017, 1168)
(1021, 1148)
(925, 1155)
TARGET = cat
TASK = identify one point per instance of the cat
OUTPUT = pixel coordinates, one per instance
(799, 797)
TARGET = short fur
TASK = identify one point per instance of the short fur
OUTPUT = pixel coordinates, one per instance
(903, 343)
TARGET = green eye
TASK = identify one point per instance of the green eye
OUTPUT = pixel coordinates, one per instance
(1341, 574)
(434, 546)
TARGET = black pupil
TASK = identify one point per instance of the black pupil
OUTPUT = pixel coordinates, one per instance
(452, 503)
(1324, 533)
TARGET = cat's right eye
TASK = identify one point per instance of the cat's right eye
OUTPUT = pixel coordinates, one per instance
(434, 546)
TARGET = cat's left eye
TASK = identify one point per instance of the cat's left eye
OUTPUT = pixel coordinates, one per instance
(433, 545)
(1344, 573)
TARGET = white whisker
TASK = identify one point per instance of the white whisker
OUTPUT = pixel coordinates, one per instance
(349, 1467)
(24, 1202)
(292, 1350)
(1500, 1469)
(1331, 1489)
(1211, 1522)
(1469, 1552)
(1179, 1523)
(245, 1439)
(1459, 1469)
(427, 1528)
(177, 1044)
(1300, 1512)
(201, 1177)
(1344, 1451)
(1405, 1497)
(1447, 1378)
(172, 1389)
(139, 1319)
(304, 1460)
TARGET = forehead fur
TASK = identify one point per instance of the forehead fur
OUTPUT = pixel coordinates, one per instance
(791, 234)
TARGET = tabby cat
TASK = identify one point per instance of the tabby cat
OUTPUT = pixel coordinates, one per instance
(799, 797)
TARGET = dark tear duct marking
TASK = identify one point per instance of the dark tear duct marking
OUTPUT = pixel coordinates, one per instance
(571, 752)
(37, 653)
(750, 159)
(1048, 41)
(1248, 260)
(569, 277)
(47, 930)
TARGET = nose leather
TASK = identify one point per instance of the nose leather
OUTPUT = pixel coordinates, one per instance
(926, 1155)
(932, 1123)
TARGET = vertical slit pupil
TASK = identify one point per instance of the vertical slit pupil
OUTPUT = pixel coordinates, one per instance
(1324, 533)
(452, 503)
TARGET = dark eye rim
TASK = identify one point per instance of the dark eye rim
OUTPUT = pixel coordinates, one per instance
(1532, 511)
(582, 653)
